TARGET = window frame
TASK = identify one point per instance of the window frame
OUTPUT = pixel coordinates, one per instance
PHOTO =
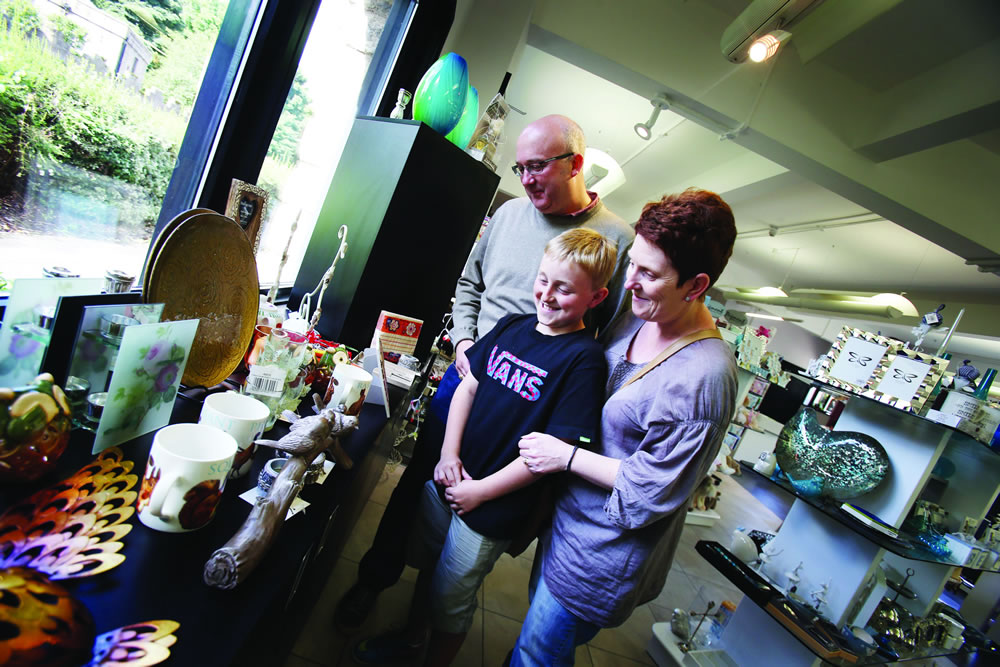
(247, 79)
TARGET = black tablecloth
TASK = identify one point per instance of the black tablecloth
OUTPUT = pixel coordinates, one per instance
(161, 577)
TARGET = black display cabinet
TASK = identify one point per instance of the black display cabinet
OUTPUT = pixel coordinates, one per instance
(413, 203)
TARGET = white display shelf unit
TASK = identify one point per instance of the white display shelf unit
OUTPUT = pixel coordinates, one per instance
(830, 551)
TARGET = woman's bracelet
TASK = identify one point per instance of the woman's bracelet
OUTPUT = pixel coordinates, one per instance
(570, 462)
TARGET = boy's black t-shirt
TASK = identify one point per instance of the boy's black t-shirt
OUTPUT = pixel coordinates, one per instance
(527, 382)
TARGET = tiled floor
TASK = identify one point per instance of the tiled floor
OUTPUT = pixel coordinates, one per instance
(503, 599)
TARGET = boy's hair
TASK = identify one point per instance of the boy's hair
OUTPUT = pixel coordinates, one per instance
(591, 251)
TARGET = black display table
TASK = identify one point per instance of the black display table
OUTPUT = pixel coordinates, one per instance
(161, 578)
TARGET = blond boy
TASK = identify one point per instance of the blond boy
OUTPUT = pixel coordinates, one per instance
(542, 372)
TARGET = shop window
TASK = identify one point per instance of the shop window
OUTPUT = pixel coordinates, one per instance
(313, 127)
(95, 99)
(94, 160)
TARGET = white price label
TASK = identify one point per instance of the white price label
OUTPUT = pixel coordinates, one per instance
(266, 380)
(857, 361)
(903, 378)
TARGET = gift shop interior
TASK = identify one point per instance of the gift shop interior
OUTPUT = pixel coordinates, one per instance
(230, 235)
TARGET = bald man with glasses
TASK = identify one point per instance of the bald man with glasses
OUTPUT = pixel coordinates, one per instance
(497, 280)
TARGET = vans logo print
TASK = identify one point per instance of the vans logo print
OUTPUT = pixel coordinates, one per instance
(519, 376)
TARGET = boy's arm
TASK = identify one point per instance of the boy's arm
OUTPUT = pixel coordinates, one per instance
(470, 494)
(449, 470)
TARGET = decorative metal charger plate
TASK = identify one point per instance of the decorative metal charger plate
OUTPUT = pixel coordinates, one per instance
(206, 270)
(167, 230)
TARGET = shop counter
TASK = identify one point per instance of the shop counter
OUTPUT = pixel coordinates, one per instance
(161, 578)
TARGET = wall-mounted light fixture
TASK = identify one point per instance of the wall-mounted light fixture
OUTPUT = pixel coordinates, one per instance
(601, 172)
(645, 130)
(890, 306)
(767, 45)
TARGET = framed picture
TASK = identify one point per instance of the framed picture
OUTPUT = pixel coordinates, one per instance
(66, 328)
(759, 386)
(247, 205)
(881, 368)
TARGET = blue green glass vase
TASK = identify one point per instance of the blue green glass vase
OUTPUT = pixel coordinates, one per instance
(441, 94)
(467, 123)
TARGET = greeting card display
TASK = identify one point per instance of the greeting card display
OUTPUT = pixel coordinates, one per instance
(100, 335)
(27, 323)
(151, 361)
(881, 368)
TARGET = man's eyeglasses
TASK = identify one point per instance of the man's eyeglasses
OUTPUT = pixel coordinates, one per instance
(537, 167)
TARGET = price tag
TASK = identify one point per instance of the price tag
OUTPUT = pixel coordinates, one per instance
(266, 380)
(903, 378)
(857, 361)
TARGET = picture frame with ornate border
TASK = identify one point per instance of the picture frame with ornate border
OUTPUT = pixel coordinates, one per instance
(870, 388)
(247, 205)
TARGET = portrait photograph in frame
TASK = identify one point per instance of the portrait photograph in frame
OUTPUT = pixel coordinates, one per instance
(247, 205)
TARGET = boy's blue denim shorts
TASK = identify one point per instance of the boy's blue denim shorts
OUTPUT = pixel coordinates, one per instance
(460, 556)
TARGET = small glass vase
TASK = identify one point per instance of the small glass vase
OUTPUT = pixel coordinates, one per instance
(276, 370)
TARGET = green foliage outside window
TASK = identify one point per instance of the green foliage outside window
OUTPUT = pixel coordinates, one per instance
(64, 125)
(71, 32)
(55, 113)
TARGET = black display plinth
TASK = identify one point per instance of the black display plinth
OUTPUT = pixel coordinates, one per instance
(413, 203)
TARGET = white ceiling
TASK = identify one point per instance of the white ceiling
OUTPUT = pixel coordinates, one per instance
(859, 250)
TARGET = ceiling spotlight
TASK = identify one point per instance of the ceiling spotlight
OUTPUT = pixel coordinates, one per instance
(766, 46)
(645, 130)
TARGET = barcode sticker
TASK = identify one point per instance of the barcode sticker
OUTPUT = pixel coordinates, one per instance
(266, 380)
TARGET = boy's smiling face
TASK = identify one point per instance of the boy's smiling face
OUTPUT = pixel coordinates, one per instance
(563, 293)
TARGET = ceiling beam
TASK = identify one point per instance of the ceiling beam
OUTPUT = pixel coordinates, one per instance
(963, 125)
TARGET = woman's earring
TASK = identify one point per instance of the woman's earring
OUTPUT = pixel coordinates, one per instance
(687, 298)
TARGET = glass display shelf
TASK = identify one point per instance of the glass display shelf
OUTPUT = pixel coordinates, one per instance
(961, 436)
(822, 638)
(906, 545)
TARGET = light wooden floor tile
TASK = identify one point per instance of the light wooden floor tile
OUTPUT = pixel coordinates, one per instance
(505, 590)
(601, 658)
(500, 634)
(318, 641)
(297, 661)
(630, 638)
(386, 483)
(361, 537)
(471, 654)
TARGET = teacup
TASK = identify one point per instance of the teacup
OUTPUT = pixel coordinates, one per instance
(185, 475)
(242, 417)
(348, 385)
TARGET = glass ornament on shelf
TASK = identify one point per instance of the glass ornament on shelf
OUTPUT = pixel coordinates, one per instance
(441, 94)
(402, 99)
(834, 464)
(462, 133)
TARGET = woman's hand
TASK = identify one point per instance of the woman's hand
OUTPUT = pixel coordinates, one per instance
(465, 496)
(449, 471)
(544, 453)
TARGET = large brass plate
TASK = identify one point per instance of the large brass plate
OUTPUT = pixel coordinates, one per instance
(206, 270)
(167, 230)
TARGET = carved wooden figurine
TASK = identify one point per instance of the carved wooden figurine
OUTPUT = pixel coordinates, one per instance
(306, 438)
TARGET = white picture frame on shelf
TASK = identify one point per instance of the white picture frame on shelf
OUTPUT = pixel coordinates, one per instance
(864, 345)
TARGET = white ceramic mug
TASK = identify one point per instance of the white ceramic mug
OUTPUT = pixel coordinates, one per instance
(348, 385)
(185, 475)
(241, 416)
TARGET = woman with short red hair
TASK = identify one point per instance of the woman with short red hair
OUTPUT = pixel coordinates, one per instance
(670, 395)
